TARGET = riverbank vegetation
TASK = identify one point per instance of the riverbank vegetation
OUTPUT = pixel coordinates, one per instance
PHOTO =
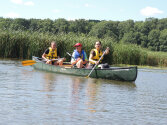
(134, 43)
(25, 44)
(151, 33)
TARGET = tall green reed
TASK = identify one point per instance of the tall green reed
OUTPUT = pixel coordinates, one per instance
(25, 44)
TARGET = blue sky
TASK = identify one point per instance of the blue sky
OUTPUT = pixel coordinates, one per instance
(116, 10)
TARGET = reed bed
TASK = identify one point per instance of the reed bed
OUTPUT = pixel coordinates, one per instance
(25, 44)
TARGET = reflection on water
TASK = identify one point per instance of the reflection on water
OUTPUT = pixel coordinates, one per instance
(49, 79)
(76, 88)
(121, 84)
(30, 96)
(92, 92)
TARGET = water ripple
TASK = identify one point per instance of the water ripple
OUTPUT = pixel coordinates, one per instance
(29, 96)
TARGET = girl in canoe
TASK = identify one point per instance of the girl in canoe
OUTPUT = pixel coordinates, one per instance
(51, 55)
(79, 57)
(95, 55)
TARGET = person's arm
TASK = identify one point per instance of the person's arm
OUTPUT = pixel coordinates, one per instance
(107, 50)
(45, 54)
(86, 59)
(92, 54)
(58, 54)
(73, 61)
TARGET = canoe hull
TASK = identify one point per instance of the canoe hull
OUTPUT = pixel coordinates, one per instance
(112, 73)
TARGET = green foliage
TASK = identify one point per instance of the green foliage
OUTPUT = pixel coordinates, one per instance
(61, 26)
(24, 45)
(129, 54)
(105, 29)
(22, 38)
(132, 37)
(163, 40)
(153, 39)
(125, 27)
(148, 34)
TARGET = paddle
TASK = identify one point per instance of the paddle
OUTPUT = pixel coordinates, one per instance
(70, 55)
(28, 62)
(96, 64)
(32, 62)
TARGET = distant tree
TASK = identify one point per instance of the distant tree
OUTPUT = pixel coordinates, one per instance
(105, 29)
(20, 24)
(125, 27)
(163, 40)
(5, 23)
(138, 26)
(144, 40)
(61, 25)
(151, 33)
(34, 24)
(148, 25)
(132, 37)
(153, 40)
(47, 25)
(162, 24)
(81, 26)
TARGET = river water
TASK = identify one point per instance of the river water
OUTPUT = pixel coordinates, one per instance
(32, 97)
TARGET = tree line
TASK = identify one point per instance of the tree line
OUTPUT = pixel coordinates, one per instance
(151, 33)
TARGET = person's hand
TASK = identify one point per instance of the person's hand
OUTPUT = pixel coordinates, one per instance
(46, 59)
(96, 62)
(78, 59)
(64, 59)
(107, 50)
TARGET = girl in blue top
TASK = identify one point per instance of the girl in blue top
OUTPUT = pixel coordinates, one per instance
(79, 57)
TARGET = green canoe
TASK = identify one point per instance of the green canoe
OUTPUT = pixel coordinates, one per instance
(112, 73)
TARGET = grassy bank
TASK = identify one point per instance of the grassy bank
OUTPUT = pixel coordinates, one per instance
(23, 45)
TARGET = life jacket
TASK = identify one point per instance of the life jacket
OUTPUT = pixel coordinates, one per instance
(79, 55)
(52, 53)
(97, 56)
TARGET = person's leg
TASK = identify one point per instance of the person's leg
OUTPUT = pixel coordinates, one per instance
(48, 62)
(86, 65)
(102, 66)
(60, 62)
(79, 64)
(106, 65)
(90, 66)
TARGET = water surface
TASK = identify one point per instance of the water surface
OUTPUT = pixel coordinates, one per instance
(29, 96)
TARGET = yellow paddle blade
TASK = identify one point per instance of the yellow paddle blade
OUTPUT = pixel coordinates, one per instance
(87, 76)
(28, 62)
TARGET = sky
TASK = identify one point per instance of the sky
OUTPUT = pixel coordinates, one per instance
(115, 10)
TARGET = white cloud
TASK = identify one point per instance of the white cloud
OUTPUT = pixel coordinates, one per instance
(29, 3)
(89, 5)
(121, 10)
(17, 1)
(150, 11)
(56, 11)
(12, 15)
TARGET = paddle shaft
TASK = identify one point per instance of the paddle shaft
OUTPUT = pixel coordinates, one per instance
(70, 55)
(97, 63)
